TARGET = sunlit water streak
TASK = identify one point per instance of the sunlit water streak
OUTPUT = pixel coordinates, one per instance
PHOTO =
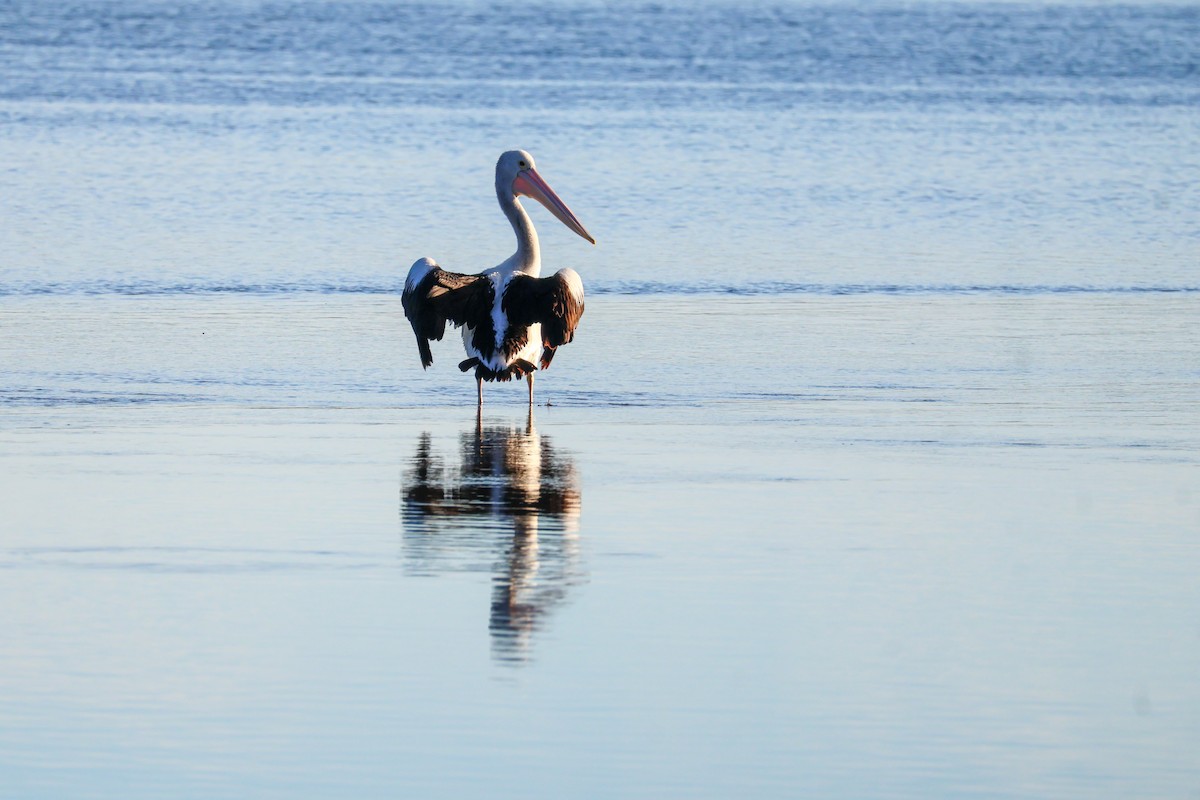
(629, 287)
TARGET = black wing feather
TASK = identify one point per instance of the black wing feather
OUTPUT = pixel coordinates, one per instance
(555, 302)
(439, 296)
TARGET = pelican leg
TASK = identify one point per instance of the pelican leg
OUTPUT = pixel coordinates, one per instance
(529, 380)
(479, 393)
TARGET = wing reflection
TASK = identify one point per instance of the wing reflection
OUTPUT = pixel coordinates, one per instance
(509, 505)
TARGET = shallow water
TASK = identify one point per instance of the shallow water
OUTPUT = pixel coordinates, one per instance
(954, 542)
(872, 472)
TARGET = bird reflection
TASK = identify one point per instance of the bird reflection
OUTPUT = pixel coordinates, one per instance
(509, 505)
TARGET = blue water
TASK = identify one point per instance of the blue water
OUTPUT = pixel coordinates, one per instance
(871, 472)
(248, 144)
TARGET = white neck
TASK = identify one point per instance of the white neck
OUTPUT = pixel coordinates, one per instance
(528, 258)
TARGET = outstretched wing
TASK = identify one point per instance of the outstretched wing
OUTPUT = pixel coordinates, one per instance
(433, 296)
(555, 302)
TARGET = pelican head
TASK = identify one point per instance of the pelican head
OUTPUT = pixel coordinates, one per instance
(516, 177)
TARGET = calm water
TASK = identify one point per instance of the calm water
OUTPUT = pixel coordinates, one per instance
(874, 470)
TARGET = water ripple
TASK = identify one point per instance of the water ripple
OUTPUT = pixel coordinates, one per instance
(148, 288)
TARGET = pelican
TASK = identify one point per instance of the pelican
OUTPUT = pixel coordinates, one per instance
(512, 320)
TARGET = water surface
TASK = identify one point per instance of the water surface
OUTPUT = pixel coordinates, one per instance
(872, 472)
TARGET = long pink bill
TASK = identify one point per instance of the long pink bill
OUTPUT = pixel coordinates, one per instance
(530, 184)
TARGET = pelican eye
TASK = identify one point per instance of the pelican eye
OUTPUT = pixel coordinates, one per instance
(522, 164)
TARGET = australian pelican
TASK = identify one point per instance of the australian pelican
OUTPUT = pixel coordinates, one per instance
(512, 320)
